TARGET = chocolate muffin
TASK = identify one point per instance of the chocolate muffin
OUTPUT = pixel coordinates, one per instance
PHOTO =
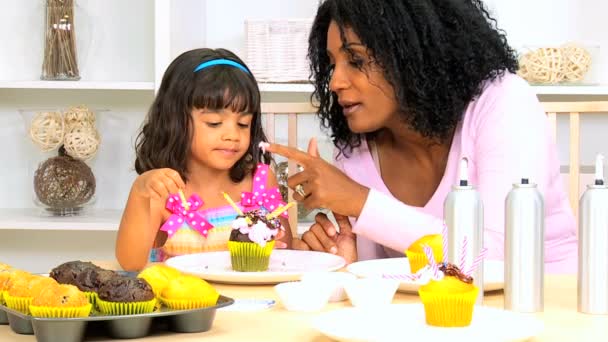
(91, 279)
(67, 273)
(126, 290)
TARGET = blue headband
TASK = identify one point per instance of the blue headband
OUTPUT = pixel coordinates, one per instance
(220, 61)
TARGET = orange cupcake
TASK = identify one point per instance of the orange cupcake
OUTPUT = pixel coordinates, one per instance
(23, 289)
(65, 301)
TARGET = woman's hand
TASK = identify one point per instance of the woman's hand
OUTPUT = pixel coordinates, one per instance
(323, 237)
(157, 184)
(320, 184)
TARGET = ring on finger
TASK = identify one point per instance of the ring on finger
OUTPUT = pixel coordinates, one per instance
(300, 190)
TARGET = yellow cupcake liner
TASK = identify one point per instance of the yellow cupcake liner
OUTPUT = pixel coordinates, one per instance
(21, 304)
(92, 297)
(2, 297)
(53, 312)
(249, 256)
(187, 304)
(448, 309)
(129, 308)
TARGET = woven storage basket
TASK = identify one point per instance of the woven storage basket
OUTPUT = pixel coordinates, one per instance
(276, 49)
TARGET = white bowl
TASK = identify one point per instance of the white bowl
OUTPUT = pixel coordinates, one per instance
(335, 280)
(371, 291)
(303, 296)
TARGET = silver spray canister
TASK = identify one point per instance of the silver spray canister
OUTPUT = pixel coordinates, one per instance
(593, 246)
(524, 248)
(463, 214)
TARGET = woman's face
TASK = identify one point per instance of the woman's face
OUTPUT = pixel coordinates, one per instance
(367, 99)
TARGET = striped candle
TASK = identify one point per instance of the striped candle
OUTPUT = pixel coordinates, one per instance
(477, 261)
(428, 251)
(401, 277)
(463, 254)
(444, 235)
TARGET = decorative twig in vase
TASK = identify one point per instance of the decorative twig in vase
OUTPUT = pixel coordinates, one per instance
(60, 42)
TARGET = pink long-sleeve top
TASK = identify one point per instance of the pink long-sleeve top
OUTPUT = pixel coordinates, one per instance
(505, 135)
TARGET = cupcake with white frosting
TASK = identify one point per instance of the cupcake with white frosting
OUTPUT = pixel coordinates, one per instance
(252, 240)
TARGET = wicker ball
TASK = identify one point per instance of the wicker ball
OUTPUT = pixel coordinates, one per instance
(47, 130)
(64, 182)
(578, 62)
(82, 142)
(543, 65)
(78, 116)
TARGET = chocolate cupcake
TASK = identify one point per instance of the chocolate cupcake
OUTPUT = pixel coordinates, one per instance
(126, 290)
(126, 296)
(91, 279)
(251, 241)
(67, 273)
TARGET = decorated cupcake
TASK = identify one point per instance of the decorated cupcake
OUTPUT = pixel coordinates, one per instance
(188, 292)
(252, 239)
(415, 252)
(449, 300)
(60, 301)
(125, 296)
(449, 294)
(158, 276)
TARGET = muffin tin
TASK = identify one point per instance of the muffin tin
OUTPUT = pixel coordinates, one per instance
(123, 327)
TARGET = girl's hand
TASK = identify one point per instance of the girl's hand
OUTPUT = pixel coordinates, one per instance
(323, 237)
(320, 184)
(157, 184)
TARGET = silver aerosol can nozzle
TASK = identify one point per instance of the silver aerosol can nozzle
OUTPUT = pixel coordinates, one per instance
(463, 215)
(463, 172)
(599, 170)
(592, 245)
(524, 248)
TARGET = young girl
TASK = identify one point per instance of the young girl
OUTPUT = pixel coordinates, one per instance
(201, 137)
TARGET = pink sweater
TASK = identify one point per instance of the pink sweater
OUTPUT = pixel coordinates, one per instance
(505, 135)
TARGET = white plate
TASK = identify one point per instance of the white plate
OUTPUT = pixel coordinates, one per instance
(405, 322)
(493, 272)
(285, 265)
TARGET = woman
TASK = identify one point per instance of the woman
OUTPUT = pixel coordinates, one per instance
(407, 88)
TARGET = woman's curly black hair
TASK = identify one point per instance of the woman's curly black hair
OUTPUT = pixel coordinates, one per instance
(436, 54)
(166, 136)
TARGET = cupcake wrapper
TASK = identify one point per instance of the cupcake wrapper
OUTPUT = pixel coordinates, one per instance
(21, 304)
(184, 304)
(189, 241)
(50, 312)
(416, 260)
(133, 308)
(2, 298)
(92, 297)
(249, 256)
(448, 309)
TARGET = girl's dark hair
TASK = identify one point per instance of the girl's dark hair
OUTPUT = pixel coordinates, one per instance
(166, 136)
(436, 54)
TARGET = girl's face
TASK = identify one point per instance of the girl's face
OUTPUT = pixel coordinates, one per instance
(367, 99)
(220, 138)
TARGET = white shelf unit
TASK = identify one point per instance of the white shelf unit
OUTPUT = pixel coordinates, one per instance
(33, 219)
(124, 48)
(84, 85)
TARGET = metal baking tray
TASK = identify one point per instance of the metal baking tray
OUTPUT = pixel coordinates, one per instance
(123, 327)
(3, 318)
